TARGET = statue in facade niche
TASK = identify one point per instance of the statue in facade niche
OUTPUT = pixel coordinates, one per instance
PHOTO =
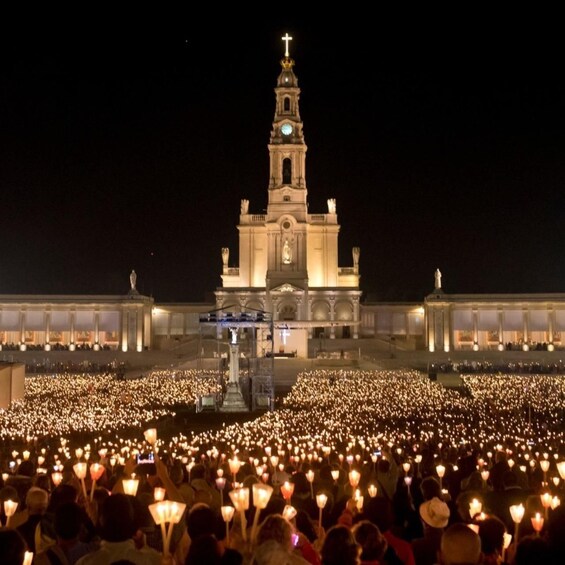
(244, 206)
(287, 253)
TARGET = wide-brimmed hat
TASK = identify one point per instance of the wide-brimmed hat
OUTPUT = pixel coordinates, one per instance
(435, 512)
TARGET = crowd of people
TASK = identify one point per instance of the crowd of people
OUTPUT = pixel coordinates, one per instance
(355, 467)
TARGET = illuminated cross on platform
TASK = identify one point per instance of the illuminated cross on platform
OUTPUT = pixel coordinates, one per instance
(286, 39)
(284, 334)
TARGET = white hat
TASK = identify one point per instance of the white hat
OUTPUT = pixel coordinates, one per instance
(435, 513)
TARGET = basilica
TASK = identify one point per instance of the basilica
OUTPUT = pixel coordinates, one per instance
(289, 270)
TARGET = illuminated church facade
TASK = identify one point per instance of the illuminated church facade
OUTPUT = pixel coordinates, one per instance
(288, 257)
(289, 268)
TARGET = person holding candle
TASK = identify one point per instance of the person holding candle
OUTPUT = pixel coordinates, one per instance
(203, 522)
(12, 547)
(340, 548)
(68, 527)
(373, 543)
(435, 517)
(37, 530)
(276, 542)
(491, 532)
(118, 526)
(460, 544)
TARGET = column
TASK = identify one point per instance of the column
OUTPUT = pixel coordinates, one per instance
(551, 324)
(332, 316)
(47, 346)
(96, 345)
(139, 329)
(23, 346)
(356, 317)
(475, 329)
(124, 332)
(72, 345)
(500, 330)
(147, 328)
(446, 329)
(310, 329)
(525, 317)
(431, 325)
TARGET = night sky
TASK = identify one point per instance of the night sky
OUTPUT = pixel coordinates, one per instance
(131, 149)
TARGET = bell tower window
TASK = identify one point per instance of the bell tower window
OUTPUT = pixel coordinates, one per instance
(286, 104)
(287, 171)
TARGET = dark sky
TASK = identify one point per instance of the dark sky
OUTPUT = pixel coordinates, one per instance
(131, 149)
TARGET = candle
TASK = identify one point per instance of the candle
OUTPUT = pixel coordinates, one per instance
(321, 500)
(227, 515)
(537, 523)
(287, 489)
(475, 507)
(159, 494)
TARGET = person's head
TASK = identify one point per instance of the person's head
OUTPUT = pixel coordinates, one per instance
(205, 550)
(509, 479)
(532, 550)
(201, 520)
(304, 525)
(62, 494)
(339, 547)
(68, 521)
(379, 511)
(176, 473)
(368, 536)
(434, 513)
(429, 487)
(12, 547)
(462, 502)
(26, 468)
(37, 500)
(383, 465)
(275, 527)
(301, 484)
(117, 518)
(491, 532)
(198, 472)
(8, 492)
(460, 545)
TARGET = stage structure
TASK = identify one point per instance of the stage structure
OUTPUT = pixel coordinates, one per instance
(239, 347)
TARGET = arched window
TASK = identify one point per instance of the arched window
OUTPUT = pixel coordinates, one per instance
(286, 104)
(287, 171)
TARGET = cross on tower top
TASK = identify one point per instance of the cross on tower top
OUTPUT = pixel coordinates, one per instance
(286, 38)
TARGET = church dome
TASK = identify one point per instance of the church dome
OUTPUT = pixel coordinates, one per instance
(287, 77)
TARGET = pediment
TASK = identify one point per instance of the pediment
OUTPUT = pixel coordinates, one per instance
(286, 288)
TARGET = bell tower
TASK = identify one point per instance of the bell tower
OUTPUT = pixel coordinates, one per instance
(287, 208)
